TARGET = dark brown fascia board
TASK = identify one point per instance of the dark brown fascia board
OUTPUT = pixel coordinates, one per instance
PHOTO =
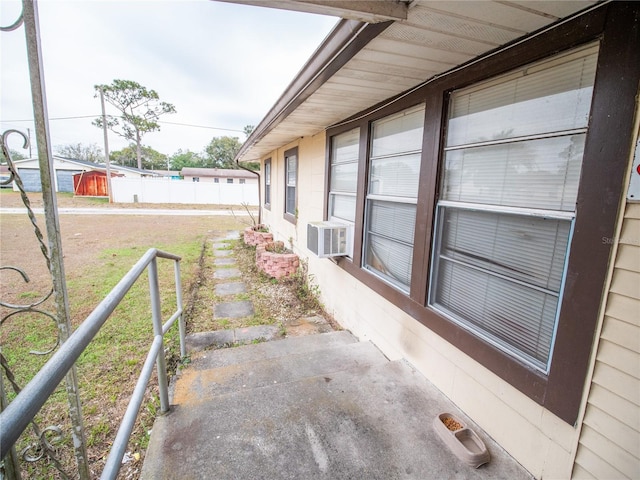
(346, 39)
(371, 11)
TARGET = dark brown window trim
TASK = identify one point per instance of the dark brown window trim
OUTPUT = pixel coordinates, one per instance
(605, 161)
(267, 205)
(286, 215)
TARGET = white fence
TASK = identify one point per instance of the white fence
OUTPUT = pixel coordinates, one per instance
(164, 190)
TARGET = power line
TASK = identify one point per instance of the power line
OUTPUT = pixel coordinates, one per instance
(51, 118)
(159, 121)
(201, 126)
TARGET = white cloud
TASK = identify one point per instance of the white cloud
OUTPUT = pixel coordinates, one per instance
(221, 65)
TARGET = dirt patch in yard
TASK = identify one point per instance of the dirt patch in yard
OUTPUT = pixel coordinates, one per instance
(11, 199)
(84, 237)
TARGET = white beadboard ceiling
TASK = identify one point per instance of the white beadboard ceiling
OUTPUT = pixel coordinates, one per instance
(436, 37)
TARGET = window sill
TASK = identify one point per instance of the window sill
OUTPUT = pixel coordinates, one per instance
(290, 218)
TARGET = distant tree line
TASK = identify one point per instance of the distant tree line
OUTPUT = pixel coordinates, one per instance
(219, 153)
(15, 155)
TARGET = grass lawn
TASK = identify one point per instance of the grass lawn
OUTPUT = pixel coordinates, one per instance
(98, 251)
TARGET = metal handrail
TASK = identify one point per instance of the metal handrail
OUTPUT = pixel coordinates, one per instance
(19, 413)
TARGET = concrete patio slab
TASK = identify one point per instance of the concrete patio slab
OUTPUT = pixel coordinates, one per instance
(369, 422)
(198, 385)
(266, 350)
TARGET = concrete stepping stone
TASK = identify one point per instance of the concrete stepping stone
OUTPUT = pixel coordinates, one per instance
(226, 273)
(232, 288)
(201, 341)
(225, 261)
(222, 253)
(258, 332)
(307, 326)
(239, 309)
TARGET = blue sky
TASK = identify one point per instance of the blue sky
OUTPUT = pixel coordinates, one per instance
(221, 65)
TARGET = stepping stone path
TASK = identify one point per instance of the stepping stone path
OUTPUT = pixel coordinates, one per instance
(227, 271)
(228, 285)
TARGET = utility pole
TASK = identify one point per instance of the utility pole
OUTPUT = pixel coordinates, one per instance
(106, 147)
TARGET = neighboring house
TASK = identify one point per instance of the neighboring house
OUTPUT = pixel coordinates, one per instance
(132, 172)
(4, 177)
(482, 153)
(65, 169)
(219, 175)
(172, 174)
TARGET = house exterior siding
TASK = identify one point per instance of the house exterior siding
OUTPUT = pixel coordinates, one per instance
(311, 178)
(595, 434)
(609, 445)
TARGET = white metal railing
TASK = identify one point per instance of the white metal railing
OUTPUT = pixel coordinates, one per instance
(19, 413)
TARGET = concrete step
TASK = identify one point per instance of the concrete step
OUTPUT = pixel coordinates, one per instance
(197, 385)
(265, 350)
(372, 422)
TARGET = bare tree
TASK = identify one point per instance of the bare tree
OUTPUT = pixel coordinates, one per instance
(80, 151)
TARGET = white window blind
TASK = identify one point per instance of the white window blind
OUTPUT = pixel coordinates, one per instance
(394, 168)
(552, 96)
(345, 152)
(512, 162)
(267, 182)
(291, 167)
(541, 173)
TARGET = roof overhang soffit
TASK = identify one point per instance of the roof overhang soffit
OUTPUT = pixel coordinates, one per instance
(360, 64)
(370, 11)
(345, 40)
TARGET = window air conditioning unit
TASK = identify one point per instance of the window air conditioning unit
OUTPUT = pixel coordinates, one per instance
(330, 239)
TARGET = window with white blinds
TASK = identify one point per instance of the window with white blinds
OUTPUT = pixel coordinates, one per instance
(345, 151)
(394, 168)
(291, 178)
(512, 162)
(267, 182)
